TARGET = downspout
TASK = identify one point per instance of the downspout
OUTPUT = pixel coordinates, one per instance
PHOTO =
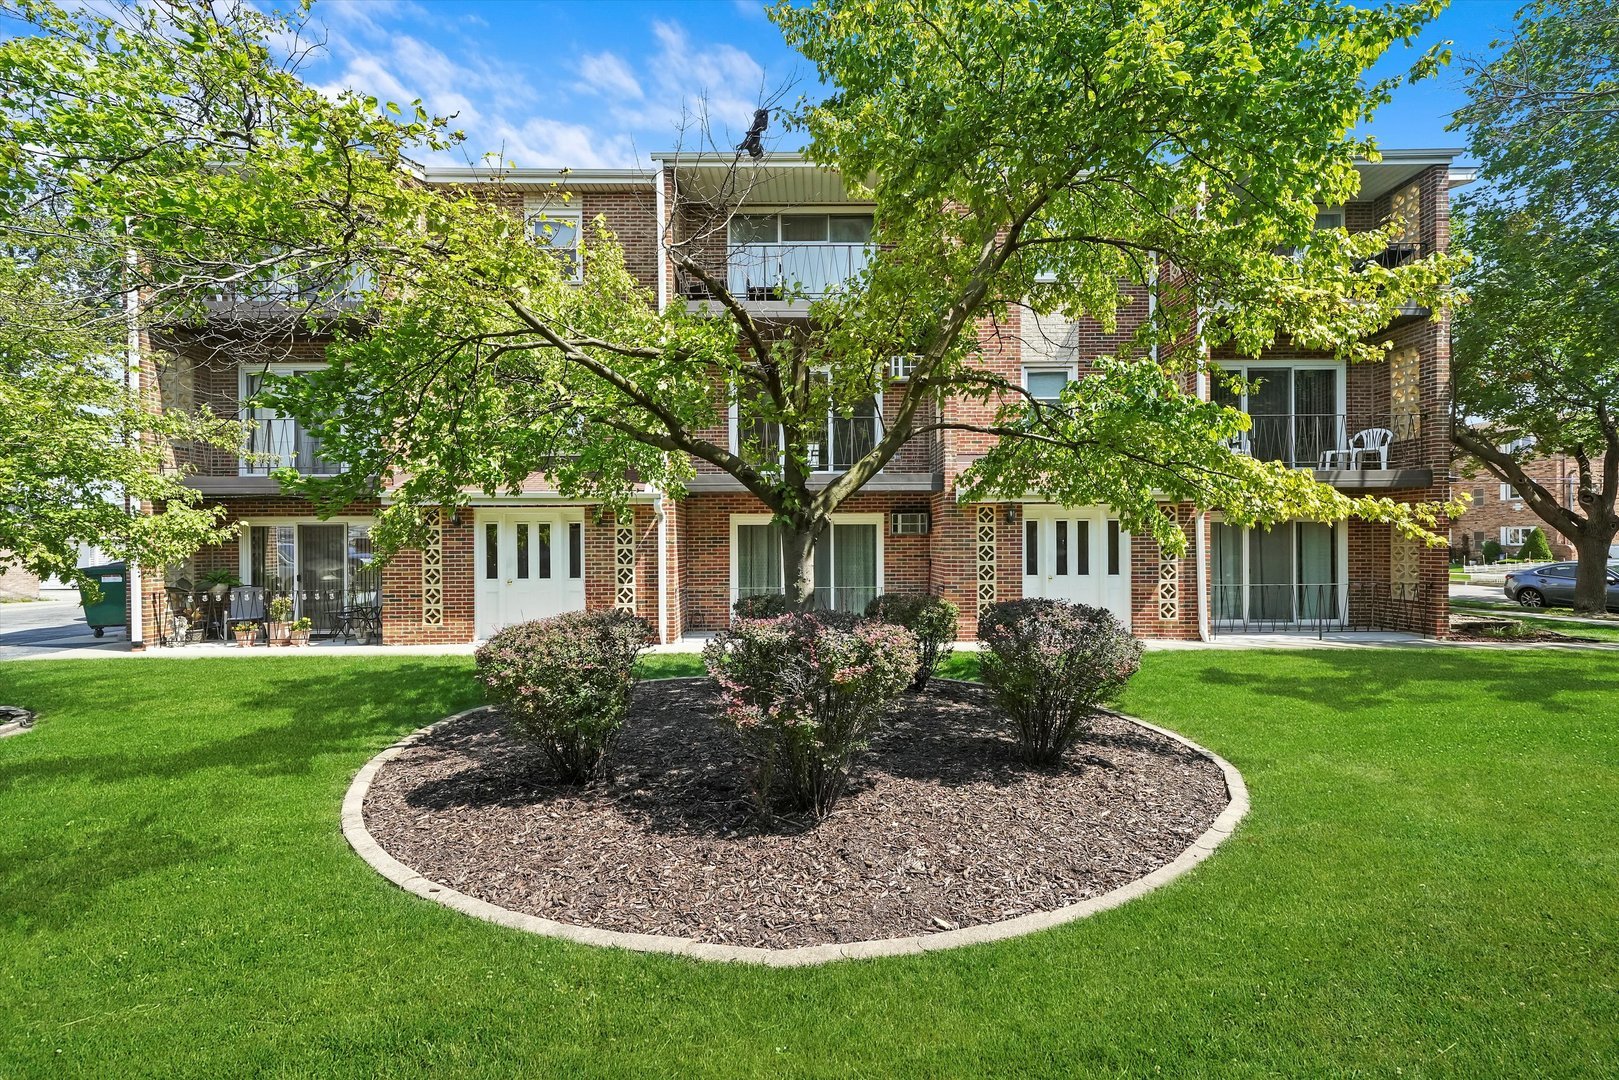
(657, 245)
(1200, 521)
(132, 381)
(663, 569)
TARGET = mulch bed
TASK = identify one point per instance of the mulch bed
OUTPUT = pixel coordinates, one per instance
(942, 826)
(1490, 628)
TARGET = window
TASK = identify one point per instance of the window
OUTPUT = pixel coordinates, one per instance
(1329, 217)
(900, 368)
(845, 441)
(559, 230)
(1509, 493)
(801, 229)
(576, 554)
(1515, 535)
(275, 441)
(1561, 570)
(1297, 411)
(325, 567)
(848, 561)
(1046, 384)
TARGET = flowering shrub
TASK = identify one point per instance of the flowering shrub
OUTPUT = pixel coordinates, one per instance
(1050, 664)
(564, 683)
(765, 606)
(931, 618)
(806, 696)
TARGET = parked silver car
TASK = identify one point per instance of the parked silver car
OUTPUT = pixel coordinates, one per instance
(1553, 585)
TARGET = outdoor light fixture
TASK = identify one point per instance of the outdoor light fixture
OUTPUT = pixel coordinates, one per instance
(1011, 513)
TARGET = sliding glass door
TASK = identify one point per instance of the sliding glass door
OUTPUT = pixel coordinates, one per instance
(327, 569)
(1268, 579)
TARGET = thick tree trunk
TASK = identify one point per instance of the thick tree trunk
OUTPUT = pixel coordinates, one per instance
(1591, 581)
(798, 562)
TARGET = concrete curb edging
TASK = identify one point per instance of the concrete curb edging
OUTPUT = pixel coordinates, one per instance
(361, 840)
(15, 728)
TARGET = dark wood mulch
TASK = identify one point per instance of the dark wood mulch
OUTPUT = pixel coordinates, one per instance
(1490, 628)
(942, 825)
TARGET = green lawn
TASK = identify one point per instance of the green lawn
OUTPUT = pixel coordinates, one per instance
(1428, 884)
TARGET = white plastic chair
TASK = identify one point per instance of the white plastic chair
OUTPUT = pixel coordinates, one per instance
(1369, 441)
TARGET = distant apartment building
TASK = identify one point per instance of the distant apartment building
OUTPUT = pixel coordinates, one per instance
(1499, 512)
(682, 562)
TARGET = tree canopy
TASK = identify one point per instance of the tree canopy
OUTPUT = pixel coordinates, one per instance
(1535, 365)
(1022, 159)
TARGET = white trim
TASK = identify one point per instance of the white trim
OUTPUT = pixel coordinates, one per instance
(873, 518)
(1523, 532)
(661, 208)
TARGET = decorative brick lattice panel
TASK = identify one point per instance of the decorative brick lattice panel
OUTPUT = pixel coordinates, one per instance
(1169, 588)
(624, 565)
(1405, 569)
(1405, 393)
(1406, 207)
(433, 576)
(986, 556)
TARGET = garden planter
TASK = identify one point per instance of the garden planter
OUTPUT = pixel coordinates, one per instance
(280, 634)
(245, 638)
(194, 635)
(301, 637)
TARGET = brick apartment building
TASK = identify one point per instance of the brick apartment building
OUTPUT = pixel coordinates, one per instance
(1499, 513)
(681, 563)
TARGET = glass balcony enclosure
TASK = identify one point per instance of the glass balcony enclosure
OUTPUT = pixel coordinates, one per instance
(770, 256)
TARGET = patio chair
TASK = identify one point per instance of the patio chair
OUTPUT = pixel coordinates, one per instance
(247, 605)
(1368, 441)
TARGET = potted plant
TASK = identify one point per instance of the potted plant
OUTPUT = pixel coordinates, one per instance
(220, 582)
(194, 626)
(301, 629)
(280, 618)
(246, 633)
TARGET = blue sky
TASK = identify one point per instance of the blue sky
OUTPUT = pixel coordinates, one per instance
(605, 83)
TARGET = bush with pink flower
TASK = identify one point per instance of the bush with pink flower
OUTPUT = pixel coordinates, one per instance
(806, 696)
(1051, 665)
(564, 684)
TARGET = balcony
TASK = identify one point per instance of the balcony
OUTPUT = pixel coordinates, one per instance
(1323, 443)
(784, 274)
(287, 294)
(280, 442)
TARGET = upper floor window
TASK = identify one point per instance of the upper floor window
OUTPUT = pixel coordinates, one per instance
(1509, 493)
(772, 256)
(559, 230)
(1046, 385)
(1296, 410)
(844, 440)
(1329, 217)
(801, 229)
(275, 441)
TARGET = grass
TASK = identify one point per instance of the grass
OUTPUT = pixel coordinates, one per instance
(1426, 886)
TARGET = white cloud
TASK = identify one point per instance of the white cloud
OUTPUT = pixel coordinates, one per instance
(610, 113)
(609, 76)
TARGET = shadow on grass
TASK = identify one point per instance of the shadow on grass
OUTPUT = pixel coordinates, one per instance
(88, 862)
(291, 716)
(1355, 679)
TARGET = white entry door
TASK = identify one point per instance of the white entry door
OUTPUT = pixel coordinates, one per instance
(1078, 555)
(530, 564)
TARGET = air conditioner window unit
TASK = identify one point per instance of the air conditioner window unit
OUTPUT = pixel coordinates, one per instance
(911, 524)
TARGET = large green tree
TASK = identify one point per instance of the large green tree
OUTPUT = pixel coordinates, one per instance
(1028, 156)
(1535, 359)
(1034, 156)
(152, 157)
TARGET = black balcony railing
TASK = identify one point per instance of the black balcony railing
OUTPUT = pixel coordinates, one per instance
(1300, 440)
(1357, 606)
(1392, 257)
(280, 442)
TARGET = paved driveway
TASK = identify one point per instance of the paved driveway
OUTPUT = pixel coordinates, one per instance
(51, 625)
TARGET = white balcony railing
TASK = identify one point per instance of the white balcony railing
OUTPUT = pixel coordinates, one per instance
(771, 271)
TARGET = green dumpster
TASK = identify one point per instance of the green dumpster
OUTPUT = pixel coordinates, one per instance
(108, 609)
